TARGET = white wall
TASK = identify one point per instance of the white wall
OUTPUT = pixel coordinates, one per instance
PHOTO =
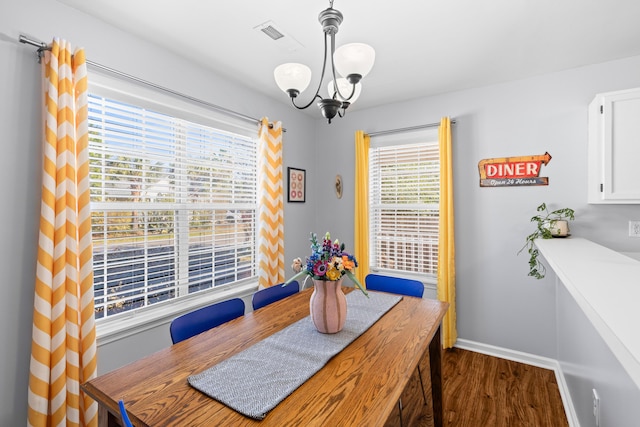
(497, 303)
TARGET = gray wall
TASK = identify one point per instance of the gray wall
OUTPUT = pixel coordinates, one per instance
(20, 118)
(588, 363)
(497, 303)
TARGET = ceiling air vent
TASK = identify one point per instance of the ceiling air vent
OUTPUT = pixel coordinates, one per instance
(272, 32)
(282, 39)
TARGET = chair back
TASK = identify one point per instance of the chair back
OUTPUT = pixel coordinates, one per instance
(205, 318)
(274, 293)
(395, 285)
(126, 422)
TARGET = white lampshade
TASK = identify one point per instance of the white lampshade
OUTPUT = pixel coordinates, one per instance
(354, 58)
(345, 89)
(292, 76)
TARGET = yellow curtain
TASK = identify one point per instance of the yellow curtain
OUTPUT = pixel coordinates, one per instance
(361, 218)
(63, 349)
(446, 245)
(270, 205)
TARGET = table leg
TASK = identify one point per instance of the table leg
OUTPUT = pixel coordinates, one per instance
(106, 418)
(435, 362)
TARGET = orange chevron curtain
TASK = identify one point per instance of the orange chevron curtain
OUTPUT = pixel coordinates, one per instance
(270, 205)
(63, 350)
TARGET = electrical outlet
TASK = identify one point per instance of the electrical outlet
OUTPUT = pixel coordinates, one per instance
(634, 228)
(596, 407)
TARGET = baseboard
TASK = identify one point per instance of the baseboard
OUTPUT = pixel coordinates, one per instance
(529, 359)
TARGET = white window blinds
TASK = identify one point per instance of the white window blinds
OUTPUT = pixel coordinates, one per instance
(173, 206)
(404, 204)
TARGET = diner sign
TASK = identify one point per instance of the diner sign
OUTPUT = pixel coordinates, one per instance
(513, 171)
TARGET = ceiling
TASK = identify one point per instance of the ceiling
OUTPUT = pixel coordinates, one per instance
(423, 47)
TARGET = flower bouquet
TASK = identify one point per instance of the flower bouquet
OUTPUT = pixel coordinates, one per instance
(328, 262)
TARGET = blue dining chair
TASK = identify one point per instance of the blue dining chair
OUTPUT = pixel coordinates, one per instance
(395, 285)
(402, 286)
(126, 422)
(205, 318)
(274, 293)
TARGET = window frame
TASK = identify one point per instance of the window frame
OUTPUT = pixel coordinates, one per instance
(131, 322)
(429, 136)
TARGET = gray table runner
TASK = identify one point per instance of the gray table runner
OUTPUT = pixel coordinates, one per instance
(255, 380)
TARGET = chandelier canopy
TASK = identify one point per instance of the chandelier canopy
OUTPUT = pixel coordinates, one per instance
(352, 61)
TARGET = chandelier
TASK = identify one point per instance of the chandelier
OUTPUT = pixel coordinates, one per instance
(352, 61)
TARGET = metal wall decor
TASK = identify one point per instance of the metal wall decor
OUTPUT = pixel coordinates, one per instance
(513, 171)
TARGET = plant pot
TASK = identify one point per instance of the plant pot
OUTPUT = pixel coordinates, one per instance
(328, 306)
(558, 227)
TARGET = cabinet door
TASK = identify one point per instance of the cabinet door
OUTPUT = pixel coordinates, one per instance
(615, 145)
(622, 146)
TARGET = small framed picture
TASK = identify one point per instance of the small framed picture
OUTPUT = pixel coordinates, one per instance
(296, 184)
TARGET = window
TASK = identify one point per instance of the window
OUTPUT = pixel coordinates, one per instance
(404, 176)
(173, 201)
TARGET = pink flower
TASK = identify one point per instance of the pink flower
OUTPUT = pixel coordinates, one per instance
(320, 268)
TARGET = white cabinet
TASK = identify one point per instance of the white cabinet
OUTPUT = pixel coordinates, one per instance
(614, 148)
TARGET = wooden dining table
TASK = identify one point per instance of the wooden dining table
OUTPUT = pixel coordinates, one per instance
(360, 386)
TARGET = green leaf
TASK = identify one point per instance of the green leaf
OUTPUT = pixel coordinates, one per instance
(357, 283)
(543, 221)
(298, 275)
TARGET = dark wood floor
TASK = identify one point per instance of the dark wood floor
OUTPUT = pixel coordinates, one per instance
(485, 391)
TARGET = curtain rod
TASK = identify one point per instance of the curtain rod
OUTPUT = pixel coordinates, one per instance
(407, 129)
(43, 46)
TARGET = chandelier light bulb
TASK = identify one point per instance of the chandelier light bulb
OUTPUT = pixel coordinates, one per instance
(345, 89)
(354, 58)
(292, 76)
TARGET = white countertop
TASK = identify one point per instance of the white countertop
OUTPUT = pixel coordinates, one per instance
(606, 286)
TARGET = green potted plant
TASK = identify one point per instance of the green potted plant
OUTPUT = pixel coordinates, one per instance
(548, 225)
